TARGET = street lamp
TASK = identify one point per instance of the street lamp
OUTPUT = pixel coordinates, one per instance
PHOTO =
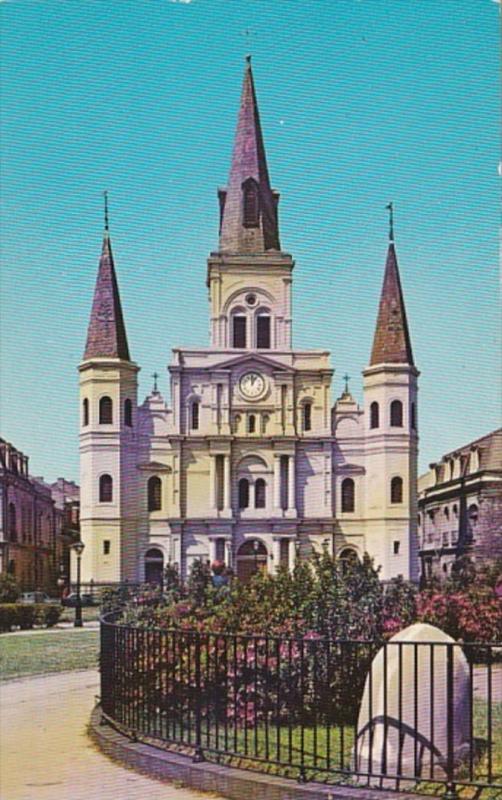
(79, 549)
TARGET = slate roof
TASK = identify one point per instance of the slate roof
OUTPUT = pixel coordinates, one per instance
(391, 344)
(248, 161)
(106, 334)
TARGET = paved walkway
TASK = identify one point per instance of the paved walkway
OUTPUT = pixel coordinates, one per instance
(45, 753)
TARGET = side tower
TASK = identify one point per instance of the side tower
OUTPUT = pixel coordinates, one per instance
(390, 405)
(108, 412)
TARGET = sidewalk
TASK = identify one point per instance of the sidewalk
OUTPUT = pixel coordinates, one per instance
(45, 753)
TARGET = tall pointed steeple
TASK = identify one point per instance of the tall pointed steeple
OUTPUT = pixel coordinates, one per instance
(249, 205)
(391, 344)
(106, 334)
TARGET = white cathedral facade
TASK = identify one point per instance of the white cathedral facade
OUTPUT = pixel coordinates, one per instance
(250, 464)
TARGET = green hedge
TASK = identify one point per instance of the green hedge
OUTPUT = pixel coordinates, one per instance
(26, 616)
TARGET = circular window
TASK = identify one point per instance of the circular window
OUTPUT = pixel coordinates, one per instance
(251, 299)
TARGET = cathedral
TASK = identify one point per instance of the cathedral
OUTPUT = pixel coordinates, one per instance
(250, 463)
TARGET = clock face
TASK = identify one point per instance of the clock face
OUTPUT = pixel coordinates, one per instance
(252, 385)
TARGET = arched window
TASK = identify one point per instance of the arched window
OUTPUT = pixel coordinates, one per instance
(413, 415)
(128, 413)
(105, 489)
(154, 493)
(12, 523)
(239, 330)
(105, 411)
(263, 331)
(194, 416)
(396, 414)
(251, 202)
(348, 494)
(396, 490)
(85, 411)
(260, 493)
(374, 415)
(307, 416)
(243, 493)
(251, 423)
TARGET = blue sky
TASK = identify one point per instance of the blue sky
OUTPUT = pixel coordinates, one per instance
(361, 102)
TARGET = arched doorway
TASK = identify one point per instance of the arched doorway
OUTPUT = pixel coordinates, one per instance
(348, 557)
(251, 557)
(154, 566)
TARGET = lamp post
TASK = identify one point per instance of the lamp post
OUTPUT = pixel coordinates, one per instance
(79, 549)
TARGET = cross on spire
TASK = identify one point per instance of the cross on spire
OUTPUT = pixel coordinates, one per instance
(155, 376)
(346, 378)
(390, 209)
(105, 195)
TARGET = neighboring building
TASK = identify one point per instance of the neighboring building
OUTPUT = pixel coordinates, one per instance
(38, 523)
(250, 463)
(460, 506)
(27, 523)
(66, 496)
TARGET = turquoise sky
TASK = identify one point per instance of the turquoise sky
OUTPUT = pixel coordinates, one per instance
(361, 102)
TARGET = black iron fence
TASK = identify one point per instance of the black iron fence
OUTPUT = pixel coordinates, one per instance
(393, 715)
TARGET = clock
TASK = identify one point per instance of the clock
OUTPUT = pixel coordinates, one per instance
(252, 385)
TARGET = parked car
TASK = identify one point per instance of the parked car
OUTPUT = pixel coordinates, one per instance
(71, 600)
(35, 597)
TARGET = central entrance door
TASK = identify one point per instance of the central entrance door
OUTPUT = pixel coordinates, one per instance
(251, 557)
(154, 566)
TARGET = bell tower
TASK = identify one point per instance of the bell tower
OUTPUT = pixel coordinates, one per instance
(108, 438)
(391, 431)
(249, 277)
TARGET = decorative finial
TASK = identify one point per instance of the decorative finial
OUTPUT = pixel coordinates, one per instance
(248, 58)
(390, 209)
(155, 389)
(105, 195)
(346, 378)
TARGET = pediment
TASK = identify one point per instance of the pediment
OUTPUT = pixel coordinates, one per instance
(154, 466)
(253, 359)
(350, 469)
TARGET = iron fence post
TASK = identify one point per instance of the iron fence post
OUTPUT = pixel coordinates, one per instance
(451, 792)
(198, 755)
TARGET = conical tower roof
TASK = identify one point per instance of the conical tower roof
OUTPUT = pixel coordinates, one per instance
(249, 187)
(106, 334)
(391, 344)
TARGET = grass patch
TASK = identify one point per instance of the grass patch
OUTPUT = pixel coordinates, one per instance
(38, 653)
(327, 752)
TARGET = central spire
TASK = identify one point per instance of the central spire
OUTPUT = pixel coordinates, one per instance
(249, 205)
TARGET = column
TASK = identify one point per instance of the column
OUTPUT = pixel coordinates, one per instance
(228, 553)
(277, 482)
(212, 550)
(292, 554)
(276, 552)
(291, 483)
(212, 483)
(226, 483)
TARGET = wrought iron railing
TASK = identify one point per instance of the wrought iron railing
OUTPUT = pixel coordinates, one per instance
(426, 714)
